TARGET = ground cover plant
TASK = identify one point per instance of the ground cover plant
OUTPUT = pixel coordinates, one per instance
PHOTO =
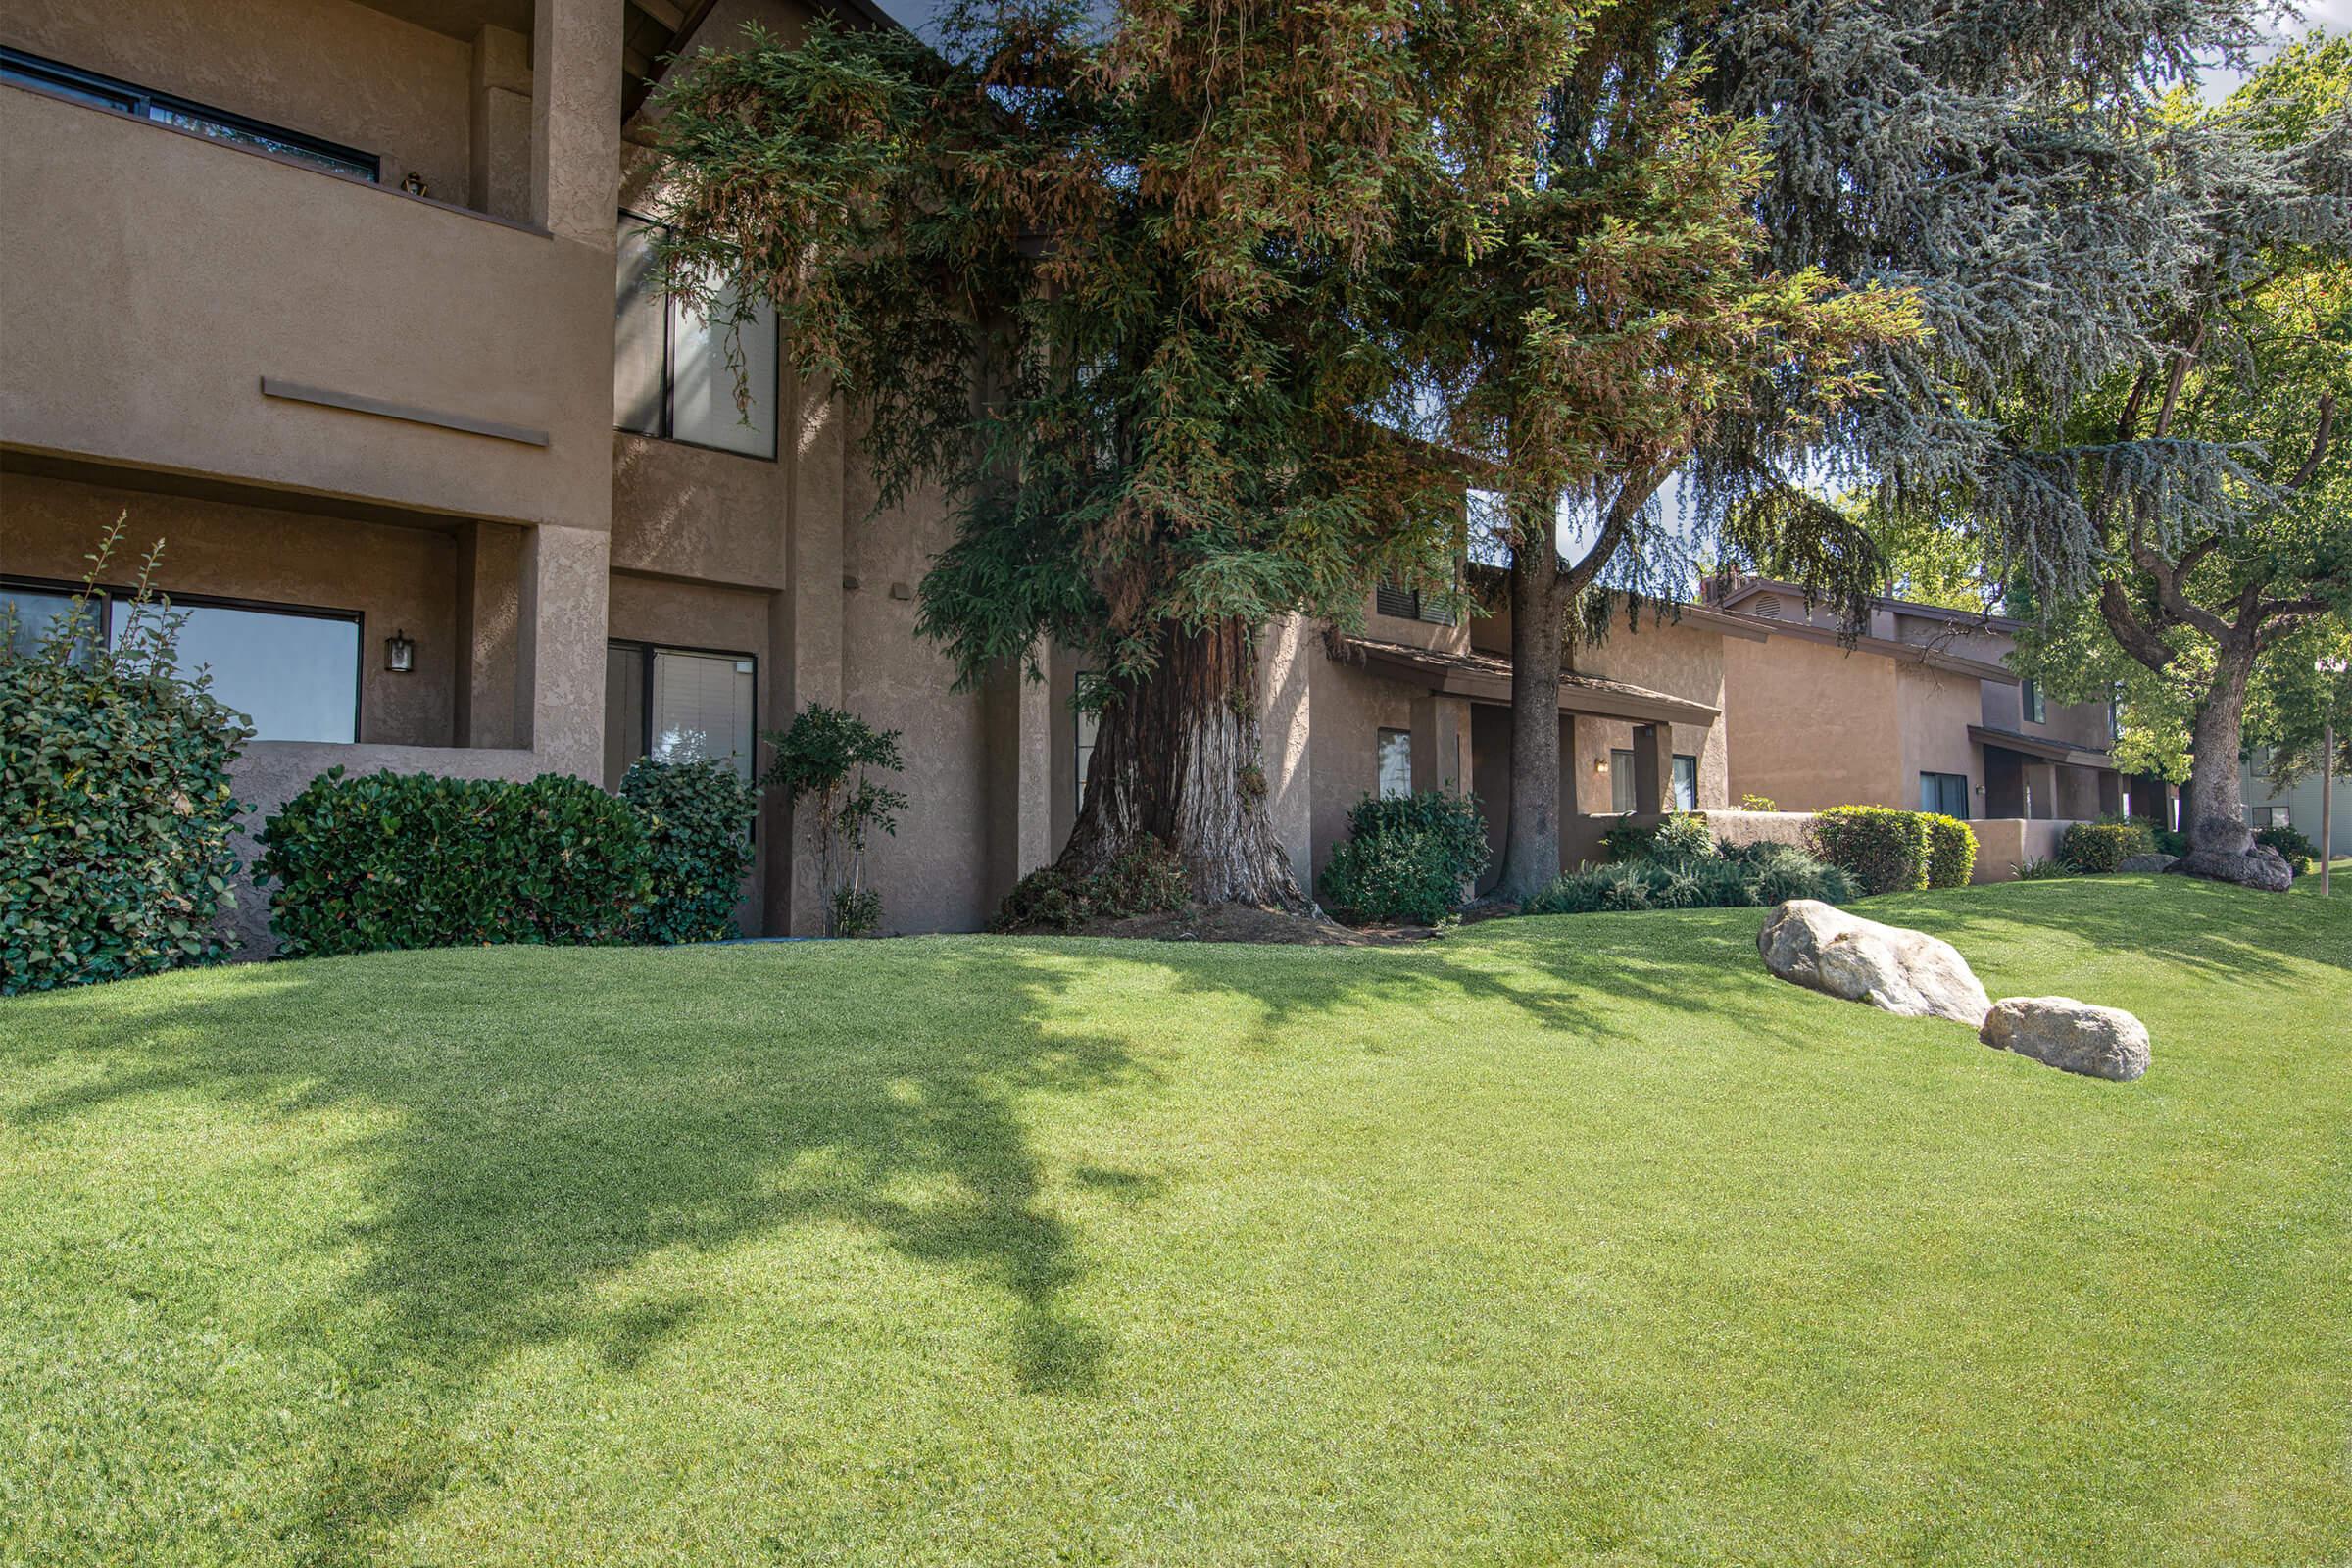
(1555, 1241)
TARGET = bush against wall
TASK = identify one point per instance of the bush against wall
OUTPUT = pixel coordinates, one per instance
(831, 757)
(2096, 848)
(2302, 854)
(395, 860)
(1407, 858)
(1951, 851)
(1752, 876)
(1884, 850)
(697, 817)
(115, 798)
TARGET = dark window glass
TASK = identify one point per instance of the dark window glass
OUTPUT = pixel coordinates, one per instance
(2029, 700)
(31, 612)
(86, 87)
(1944, 793)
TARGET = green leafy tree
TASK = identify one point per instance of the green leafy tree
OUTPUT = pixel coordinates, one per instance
(830, 757)
(1148, 238)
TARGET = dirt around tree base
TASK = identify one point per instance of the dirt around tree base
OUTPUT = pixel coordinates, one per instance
(1239, 922)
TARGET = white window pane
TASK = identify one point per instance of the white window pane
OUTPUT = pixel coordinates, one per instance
(1686, 783)
(702, 397)
(701, 708)
(638, 315)
(297, 677)
(1395, 763)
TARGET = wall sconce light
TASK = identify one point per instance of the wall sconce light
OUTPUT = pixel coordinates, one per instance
(414, 185)
(1600, 765)
(399, 653)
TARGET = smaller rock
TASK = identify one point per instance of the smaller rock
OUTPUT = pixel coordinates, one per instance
(2074, 1036)
(2147, 862)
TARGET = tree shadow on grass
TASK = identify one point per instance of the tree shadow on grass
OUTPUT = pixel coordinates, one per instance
(535, 1151)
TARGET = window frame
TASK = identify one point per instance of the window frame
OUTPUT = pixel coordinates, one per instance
(1959, 779)
(669, 381)
(1386, 594)
(20, 68)
(646, 651)
(1082, 748)
(1682, 756)
(2031, 705)
(107, 593)
(1380, 741)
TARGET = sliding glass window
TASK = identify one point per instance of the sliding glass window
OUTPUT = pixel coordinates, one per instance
(676, 372)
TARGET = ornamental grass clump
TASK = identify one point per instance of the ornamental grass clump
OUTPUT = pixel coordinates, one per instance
(115, 805)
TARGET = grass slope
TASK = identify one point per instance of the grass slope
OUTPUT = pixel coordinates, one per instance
(1565, 1240)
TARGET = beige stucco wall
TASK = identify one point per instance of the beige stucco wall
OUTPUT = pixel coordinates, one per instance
(1936, 709)
(331, 69)
(1811, 725)
(397, 579)
(169, 274)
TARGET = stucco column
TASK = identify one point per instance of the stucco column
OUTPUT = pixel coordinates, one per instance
(489, 621)
(1654, 767)
(1286, 703)
(565, 588)
(575, 118)
(1440, 743)
(500, 119)
(1017, 731)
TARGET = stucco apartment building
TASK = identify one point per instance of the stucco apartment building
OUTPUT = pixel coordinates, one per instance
(348, 303)
(1920, 712)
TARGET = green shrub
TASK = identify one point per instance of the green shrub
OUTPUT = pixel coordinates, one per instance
(2095, 848)
(115, 800)
(1951, 852)
(697, 818)
(2302, 854)
(1407, 858)
(1627, 840)
(1885, 851)
(414, 860)
(1750, 876)
(2041, 869)
(832, 758)
(1757, 803)
(1682, 836)
(1147, 879)
(2168, 842)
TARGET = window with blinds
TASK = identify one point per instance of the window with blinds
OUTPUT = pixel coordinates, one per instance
(677, 706)
(1406, 605)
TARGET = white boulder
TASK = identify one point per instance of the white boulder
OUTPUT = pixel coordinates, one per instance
(1891, 967)
(2099, 1042)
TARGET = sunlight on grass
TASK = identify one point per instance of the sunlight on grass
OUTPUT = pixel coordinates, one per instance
(1567, 1240)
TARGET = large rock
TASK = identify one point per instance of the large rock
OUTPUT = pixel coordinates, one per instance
(1910, 972)
(2100, 1042)
(2147, 862)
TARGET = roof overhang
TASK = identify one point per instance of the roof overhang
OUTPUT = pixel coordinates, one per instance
(1489, 680)
(1900, 653)
(2037, 746)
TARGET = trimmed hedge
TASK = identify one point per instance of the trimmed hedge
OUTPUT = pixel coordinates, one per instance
(115, 809)
(697, 818)
(396, 861)
(1951, 852)
(1884, 850)
(2096, 848)
(1752, 876)
(1408, 858)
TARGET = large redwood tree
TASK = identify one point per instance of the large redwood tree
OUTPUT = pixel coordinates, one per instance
(1109, 279)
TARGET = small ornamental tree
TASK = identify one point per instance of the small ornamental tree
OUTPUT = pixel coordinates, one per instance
(115, 805)
(829, 757)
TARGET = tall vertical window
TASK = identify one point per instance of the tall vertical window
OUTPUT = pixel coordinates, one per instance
(1089, 717)
(1395, 763)
(294, 672)
(676, 371)
(679, 705)
(1620, 780)
(1944, 793)
(21, 69)
(1686, 782)
(2028, 697)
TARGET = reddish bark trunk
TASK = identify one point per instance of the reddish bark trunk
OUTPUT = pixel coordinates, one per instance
(1177, 759)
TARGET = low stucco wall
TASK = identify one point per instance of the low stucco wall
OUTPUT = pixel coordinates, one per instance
(2003, 843)
(1735, 828)
(270, 773)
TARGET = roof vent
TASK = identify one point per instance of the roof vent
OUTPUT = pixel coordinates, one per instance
(1768, 606)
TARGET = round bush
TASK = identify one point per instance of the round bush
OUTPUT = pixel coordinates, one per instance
(1951, 852)
(697, 818)
(1408, 858)
(1884, 850)
(391, 861)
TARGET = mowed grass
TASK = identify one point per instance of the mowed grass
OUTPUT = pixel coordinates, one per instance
(1564, 1241)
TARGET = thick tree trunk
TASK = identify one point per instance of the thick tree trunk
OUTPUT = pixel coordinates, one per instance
(1531, 849)
(1177, 759)
(2219, 844)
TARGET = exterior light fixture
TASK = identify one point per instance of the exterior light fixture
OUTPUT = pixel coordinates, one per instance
(399, 653)
(1600, 765)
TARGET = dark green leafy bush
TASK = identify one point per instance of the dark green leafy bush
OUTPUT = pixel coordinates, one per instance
(1750, 876)
(697, 818)
(1884, 850)
(392, 861)
(115, 798)
(1951, 852)
(1408, 858)
(2095, 848)
(2302, 854)
(2169, 842)
(1628, 840)
(1147, 879)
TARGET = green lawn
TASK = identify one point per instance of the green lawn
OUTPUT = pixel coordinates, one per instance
(1564, 1241)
